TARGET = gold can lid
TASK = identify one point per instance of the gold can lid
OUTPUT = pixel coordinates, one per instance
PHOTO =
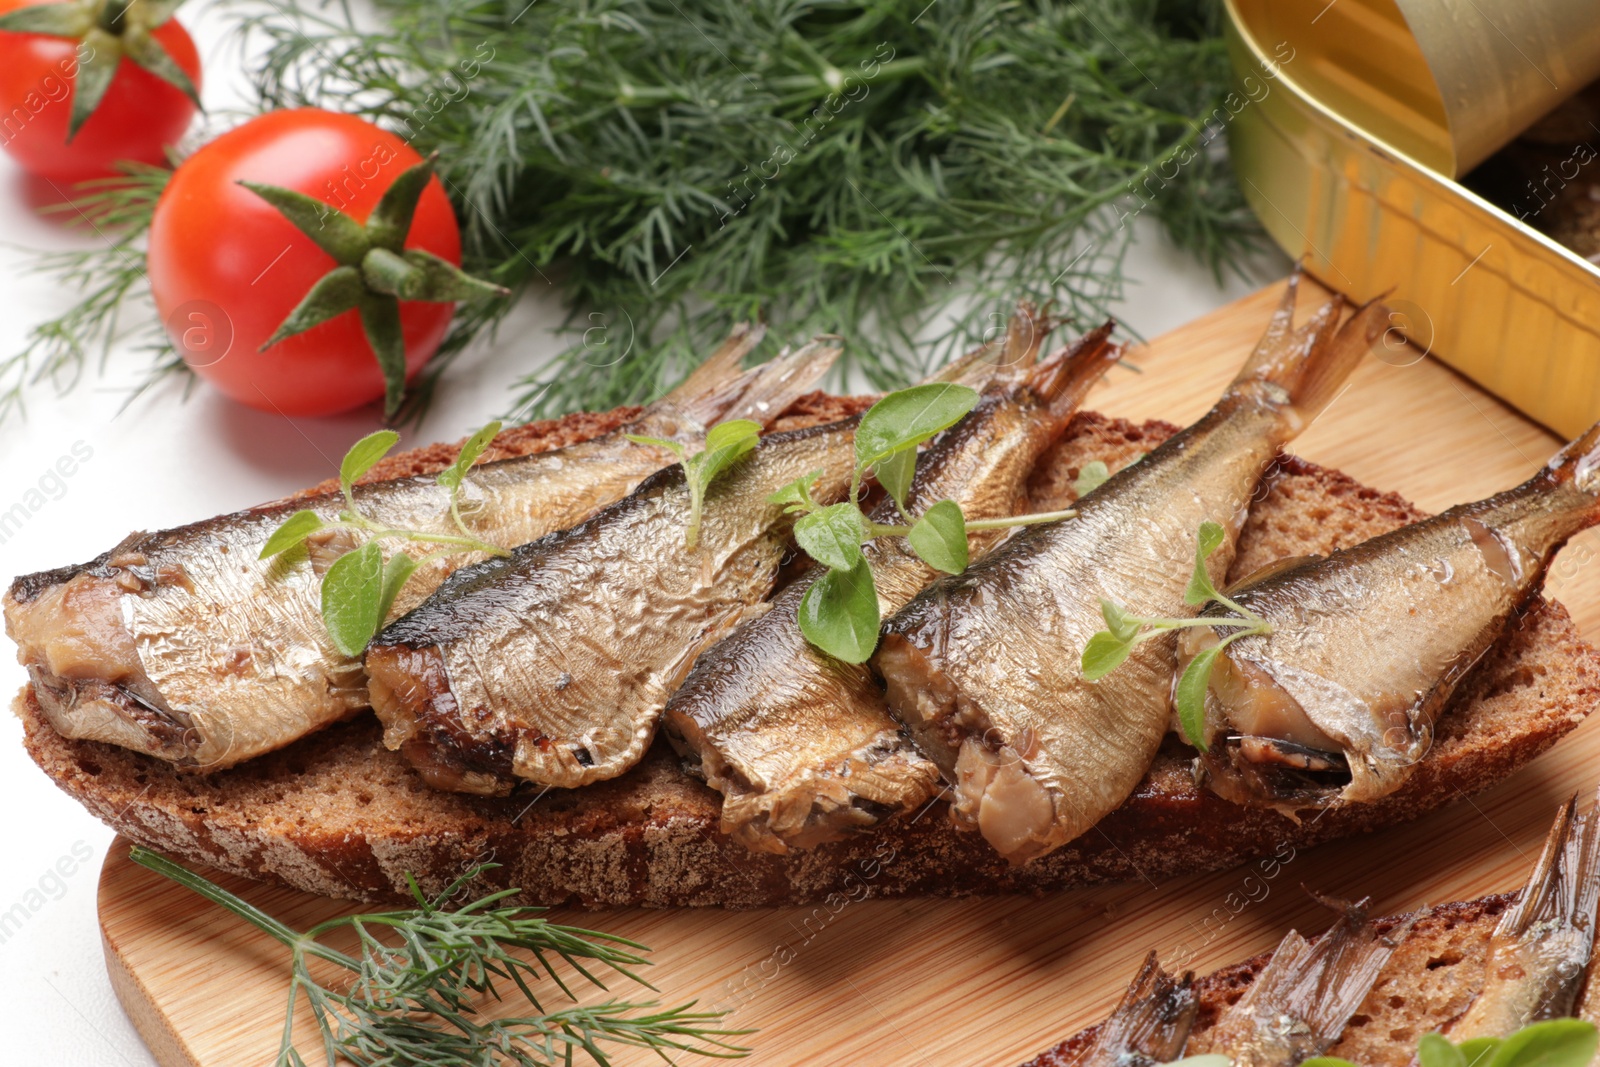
(1447, 82)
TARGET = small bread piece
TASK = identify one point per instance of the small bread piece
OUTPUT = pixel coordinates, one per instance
(1430, 979)
(338, 814)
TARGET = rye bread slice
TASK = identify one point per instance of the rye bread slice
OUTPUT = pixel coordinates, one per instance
(1432, 976)
(337, 814)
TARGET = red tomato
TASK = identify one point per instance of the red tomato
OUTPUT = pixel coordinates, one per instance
(138, 118)
(226, 268)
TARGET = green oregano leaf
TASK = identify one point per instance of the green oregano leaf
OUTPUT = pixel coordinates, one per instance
(726, 443)
(1122, 625)
(1434, 1050)
(906, 418)
(396, 572)
(1191, 696)
(1091, 477)
(1477, 1051)
(1103, 654)
(796, 496)
(295, 529)
(895, 472)
(839, 613)
(476, 445)
(364, 455)
(659, 442)
(352, 598)
(940, 537)
(1200, 588)
(1555, 1043)
(832, 536)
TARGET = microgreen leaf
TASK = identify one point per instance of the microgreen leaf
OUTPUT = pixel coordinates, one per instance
(940, 537)
(1122, 625)
(295, 529)
(840, 615)
(1191, 696)
(832, 536)
(1102, 654)
(1434, 1050)
(1200, 588)
(796, 496)
(1478, 1050)
(364, 455)
(395, 574)
(1554, 1043)
(1326, 1061)
(451, 476)
(725, 444)
(671, 446)
(894, 472)
(352, 598)
(1091, 477)
(908, 417)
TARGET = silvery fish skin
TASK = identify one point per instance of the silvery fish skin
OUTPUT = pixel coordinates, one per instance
(1540, 949)
(800, 744)
(1299, 1004)
(1336, 704)
(1149, 1026)
(553, 665)
(984, 667)
(184, 645)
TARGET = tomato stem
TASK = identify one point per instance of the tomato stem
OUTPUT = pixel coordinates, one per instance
(385, 272)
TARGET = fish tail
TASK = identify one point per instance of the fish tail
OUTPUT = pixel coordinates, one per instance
(720, 368)
(763, 393)
(1563, 887)
(1578, 463)
(1309, 363)
(1320, 985)
(1152, 1021)
(1065, 377)
(1006, 358)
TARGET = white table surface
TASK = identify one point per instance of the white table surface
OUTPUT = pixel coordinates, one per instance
(164, 461)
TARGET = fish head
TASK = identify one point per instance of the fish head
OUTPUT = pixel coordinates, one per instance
(1282, 736)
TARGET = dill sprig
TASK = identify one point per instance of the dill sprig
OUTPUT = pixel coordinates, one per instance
(856, 168)
(413, 996)
(109, 274)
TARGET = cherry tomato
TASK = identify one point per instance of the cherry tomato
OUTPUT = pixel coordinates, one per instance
(227, 268)
(139, 117)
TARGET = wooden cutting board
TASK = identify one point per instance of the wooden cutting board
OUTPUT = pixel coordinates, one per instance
(928, 983)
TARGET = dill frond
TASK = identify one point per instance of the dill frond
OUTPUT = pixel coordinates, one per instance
(853, 168)
(109, 275)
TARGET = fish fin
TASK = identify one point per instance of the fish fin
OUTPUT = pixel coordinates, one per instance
(1065, 377)
(1008, 357)
(720, 368)
(1310, 363)
(1152, 1021)
(1578, 462)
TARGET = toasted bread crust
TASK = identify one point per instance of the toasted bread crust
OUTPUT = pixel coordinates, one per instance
(1430, 979)
(338, 814)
